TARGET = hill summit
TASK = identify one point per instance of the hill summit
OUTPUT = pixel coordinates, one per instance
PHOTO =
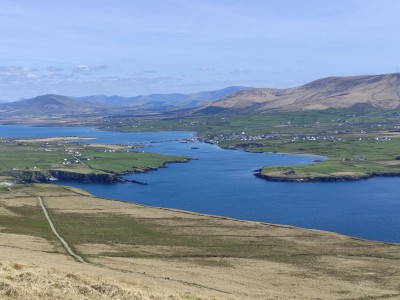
(49, 104)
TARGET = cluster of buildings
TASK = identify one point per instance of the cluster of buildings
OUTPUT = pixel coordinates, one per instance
(312, 138)
(240, 137)
(75, 159)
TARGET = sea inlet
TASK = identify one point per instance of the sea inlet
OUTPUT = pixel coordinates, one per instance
(222, 182)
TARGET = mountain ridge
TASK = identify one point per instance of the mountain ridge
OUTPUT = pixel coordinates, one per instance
(100, 105)
(165, 102)
(375, 91)
(49, 104)
(379, 91)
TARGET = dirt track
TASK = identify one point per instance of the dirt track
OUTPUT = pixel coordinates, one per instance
(63, 242)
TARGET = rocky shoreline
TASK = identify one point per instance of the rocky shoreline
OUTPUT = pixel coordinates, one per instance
(34, 176)
(39, 176)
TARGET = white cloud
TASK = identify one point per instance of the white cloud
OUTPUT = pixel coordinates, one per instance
(82, 68)
(15, 70)
(24, 82)
(15, 75)
(89, 69)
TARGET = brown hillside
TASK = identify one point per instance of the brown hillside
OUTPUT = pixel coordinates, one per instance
(380, 91)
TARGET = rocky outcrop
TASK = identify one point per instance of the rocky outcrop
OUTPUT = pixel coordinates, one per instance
(31, 176)
(34, 176)
(37, 176)
(84, 177)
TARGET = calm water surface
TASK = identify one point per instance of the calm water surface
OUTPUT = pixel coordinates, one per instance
(221, 182)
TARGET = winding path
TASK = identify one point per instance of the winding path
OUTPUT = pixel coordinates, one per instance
(63, 242)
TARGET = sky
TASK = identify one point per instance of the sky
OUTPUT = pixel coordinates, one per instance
(136, 47)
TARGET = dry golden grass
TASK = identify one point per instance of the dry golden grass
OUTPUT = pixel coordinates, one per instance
(6, 212)
(21, 281)
(169, 254)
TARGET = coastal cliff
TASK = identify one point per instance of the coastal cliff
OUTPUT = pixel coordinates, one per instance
(84, 177)
(34, 176)
(30, 176)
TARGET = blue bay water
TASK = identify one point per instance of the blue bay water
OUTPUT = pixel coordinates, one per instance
(221, 182)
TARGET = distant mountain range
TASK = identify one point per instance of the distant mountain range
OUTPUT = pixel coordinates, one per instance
(375, 91)
(165, 102)
(49, 105)
(379, 91)
(58, 105)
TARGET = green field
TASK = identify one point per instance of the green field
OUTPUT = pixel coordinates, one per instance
(358, 143)
(34, 161)
(359, 158)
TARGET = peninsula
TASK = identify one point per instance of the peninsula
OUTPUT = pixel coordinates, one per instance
(43, 160)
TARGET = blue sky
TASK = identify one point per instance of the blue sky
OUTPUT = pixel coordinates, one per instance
(132, 47)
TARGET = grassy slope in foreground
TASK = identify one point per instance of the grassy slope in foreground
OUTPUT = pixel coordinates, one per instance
(38, 160)
(150, 253)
